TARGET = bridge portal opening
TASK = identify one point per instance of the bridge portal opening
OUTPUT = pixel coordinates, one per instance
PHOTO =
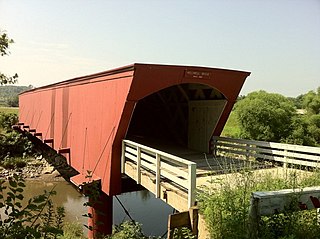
(183, 115)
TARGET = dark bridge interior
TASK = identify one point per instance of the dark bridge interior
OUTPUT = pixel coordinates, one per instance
(182, 115)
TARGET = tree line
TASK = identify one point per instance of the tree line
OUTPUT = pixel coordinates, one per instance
(273, 117)
(9, 94)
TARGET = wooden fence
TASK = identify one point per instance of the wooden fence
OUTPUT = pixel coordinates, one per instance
(266, 151)
(164, 166)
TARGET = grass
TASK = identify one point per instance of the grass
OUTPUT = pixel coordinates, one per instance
(231, 129)
(9, 110)
(225, 206)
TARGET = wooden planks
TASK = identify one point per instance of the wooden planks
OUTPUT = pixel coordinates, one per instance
(164, 166)
(284, 153)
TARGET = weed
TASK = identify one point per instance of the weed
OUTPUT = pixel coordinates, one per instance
(225, 205)
(72, 231)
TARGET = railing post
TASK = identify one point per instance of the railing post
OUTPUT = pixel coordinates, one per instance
(158, 165)
(138, 165)
(123, 160)
(214, 146)
(285, 164)
(254, 218)
(192, 171)
(247, 151)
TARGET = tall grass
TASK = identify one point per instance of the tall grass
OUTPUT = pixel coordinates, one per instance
(225, 205)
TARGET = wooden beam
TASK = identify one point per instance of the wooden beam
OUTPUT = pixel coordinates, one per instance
(188, 219)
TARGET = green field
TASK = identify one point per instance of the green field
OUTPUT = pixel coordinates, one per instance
(13, 110)
(231, 129)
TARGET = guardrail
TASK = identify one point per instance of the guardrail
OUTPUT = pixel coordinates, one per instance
(272, 202)
(284, 153)
(165, 167)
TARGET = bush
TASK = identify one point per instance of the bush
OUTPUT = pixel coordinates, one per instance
(37, 219)
(20, 163)
(72, 231)
(265, 116)
(7, 120)
(225, 206)
(14, 144)
(13, 163)
(8, 163)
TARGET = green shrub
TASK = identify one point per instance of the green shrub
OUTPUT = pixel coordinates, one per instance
(20, 163)
(183, 233)
(13, 163)
(8, 164)
(7, 120)
(11, 142)
(225, 205)
(37, 219)
(15, 144)
(72, 230)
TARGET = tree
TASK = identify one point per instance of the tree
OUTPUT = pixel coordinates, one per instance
(265, 116)
(314, 127)
(303, 131)
(13, 101)
(5, 41)
(311, 101)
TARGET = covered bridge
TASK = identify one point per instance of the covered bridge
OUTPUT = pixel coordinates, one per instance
(86, 118)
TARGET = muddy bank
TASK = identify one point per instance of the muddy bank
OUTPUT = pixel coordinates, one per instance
(46, 167)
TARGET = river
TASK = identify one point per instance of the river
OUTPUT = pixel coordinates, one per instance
(142, 206)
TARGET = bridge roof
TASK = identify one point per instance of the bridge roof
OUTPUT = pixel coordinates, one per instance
(158, 70)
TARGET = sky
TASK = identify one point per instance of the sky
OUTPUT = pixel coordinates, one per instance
(278, 41)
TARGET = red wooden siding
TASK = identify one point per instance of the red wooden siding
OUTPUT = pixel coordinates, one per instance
(91, 114)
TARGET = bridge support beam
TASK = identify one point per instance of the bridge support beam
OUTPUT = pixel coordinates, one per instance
(100, 215)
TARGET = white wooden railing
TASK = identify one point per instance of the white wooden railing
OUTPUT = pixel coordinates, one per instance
(250, 149)
(165, 167)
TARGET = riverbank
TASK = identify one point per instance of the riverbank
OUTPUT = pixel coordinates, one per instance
(35, 169)
(49, 168)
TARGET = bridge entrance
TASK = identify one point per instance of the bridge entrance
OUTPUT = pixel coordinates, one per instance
(182, 115)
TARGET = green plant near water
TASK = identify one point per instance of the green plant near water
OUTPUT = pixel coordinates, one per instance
(72, 230)
(14, 147)
(225, 205)
(36, 219)
(183, 233)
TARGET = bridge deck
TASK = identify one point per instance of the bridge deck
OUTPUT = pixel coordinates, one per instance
(174, 173)
(207, 164)
(208, 168)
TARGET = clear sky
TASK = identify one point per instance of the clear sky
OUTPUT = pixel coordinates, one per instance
(277, 40)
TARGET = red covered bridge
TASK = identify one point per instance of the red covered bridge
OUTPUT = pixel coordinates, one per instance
(87, 118)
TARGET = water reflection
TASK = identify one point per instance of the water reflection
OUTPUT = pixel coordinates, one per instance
(142, 206)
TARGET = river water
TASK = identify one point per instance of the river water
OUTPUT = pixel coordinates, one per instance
(142, 206)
